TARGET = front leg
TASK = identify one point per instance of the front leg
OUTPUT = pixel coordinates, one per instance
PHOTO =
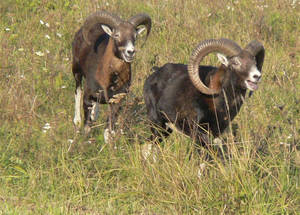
(112, 118)
(196, 129)
(77, 117)
(87, 108)
(78, 74)
(91, 109)
(115, 104)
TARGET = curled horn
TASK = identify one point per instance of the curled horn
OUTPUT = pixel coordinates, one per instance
(101, 17)
(225, 46)
(141, 19)
(257, 50)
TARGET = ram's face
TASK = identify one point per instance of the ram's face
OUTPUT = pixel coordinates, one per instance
(244, 66)
(125, 36)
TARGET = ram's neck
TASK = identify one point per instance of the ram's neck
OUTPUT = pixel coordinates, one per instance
(215, 79)
(109, 53)
(112, 72)
(230, 98)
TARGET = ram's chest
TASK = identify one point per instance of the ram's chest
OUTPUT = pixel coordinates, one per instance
(226, 110)
(120, 74)
(114, 74)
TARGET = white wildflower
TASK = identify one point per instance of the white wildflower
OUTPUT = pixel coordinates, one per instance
(39, 53)
(47, 25)
(47, 37)
(217, 141)
(42, 22)
(70, 141)
(20, 49)
(47, 51)
(284, 144)
(209, 15)
(66, 59)
(7, 29)
(59, 35)
(63, 87)
(107, 4)
(46, 127)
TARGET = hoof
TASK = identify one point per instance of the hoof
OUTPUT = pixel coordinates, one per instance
(77, 130)
(77, 122)
(87, 129)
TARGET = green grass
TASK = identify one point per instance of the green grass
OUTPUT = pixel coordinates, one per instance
(260, 170)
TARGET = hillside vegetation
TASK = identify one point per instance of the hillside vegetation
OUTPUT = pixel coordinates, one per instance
(45, 170)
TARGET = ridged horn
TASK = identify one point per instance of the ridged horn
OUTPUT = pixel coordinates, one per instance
(256, 49)
(142, 19)
(224, 46)
(101, 17)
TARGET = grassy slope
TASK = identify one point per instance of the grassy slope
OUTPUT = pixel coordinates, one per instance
(260, 174)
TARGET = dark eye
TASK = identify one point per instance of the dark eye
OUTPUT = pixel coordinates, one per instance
(236, 62)
(117, 35)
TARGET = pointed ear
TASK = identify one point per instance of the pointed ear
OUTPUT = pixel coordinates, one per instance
(107, 29)
(140, 30)
(223, 59)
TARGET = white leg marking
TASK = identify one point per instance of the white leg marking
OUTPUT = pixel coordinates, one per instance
(77, 117)
(95, 111)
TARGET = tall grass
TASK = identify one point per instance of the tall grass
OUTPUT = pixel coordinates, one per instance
(39, 174)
